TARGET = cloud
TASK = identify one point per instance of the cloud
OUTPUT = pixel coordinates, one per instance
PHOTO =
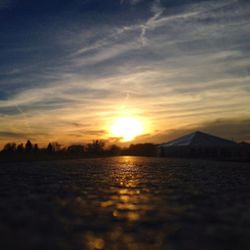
(14, 135)
(133, 2)
(7, 136)
(157, 11)
(232, 129)
(4, 4)
(171, 65)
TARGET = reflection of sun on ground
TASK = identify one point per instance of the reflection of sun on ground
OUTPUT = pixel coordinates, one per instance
(127, 128)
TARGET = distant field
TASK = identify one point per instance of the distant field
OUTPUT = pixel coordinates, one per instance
(125, 203)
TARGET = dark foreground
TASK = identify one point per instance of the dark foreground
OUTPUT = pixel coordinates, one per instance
(125, 203)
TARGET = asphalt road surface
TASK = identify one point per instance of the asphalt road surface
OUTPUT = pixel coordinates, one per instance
(130, 203)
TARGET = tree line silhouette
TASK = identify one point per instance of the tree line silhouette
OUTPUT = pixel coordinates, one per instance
(98, 148)
(30, 151)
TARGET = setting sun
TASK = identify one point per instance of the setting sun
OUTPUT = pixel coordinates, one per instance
(127, 128)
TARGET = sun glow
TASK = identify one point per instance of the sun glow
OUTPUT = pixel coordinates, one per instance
(127, 128)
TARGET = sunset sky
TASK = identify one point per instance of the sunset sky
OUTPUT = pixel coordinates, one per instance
(70, 68)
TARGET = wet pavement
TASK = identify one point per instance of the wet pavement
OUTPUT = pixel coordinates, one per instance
(129, 203)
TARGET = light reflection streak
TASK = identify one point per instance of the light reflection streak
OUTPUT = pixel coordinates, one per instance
(128, 199)
(132, 203)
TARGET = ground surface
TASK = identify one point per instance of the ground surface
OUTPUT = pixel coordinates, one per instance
(125, 203)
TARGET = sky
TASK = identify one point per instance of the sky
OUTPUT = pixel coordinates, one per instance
(69, 68)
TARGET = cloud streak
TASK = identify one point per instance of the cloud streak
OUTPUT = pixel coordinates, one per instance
(169, 65)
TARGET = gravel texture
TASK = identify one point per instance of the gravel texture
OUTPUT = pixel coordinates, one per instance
(130, 203)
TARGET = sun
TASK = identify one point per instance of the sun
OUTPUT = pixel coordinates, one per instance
(126, 128)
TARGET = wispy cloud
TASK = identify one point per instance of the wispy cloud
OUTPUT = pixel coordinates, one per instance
(4, 4)
(133, 2)
(232, 129)
(157, 11)
(170, 65)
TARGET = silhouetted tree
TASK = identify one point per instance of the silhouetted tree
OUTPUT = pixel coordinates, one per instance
(143, 149)
(114, 150)
(9, 147)
(28, 146)
(20, 148)
(76, 149)
(53, 147)
(96, 147)
(36, 148)
(56, 146)
(50, 148)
